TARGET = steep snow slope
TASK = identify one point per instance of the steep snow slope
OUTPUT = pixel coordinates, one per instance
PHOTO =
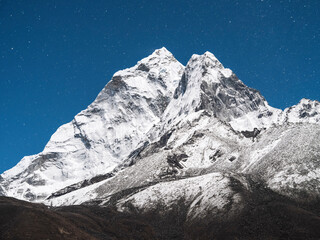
(99, 138)
(207, 85)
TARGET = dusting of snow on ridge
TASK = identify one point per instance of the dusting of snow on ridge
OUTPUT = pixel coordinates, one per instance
(77, 197)
(203, 194)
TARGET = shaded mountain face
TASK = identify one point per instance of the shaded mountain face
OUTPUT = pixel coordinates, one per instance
(207, 85)
(264, 215)
(162, 138)
(23, 220)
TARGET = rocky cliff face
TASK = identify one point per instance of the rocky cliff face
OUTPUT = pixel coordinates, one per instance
(161, 134)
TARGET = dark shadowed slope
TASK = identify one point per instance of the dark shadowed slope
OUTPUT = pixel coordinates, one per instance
(266, 215)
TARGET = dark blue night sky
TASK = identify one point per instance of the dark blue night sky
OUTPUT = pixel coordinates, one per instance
(55, 56)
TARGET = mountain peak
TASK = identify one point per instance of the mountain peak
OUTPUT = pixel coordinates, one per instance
(205, 61)
(161, 53)
(207, 85)
(158, 59)
(209, 56)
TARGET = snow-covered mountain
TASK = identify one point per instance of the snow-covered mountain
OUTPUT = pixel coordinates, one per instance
(101, 137)
(160, 133)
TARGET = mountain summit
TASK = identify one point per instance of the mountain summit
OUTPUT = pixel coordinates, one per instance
(162, 133)
(100, 137)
